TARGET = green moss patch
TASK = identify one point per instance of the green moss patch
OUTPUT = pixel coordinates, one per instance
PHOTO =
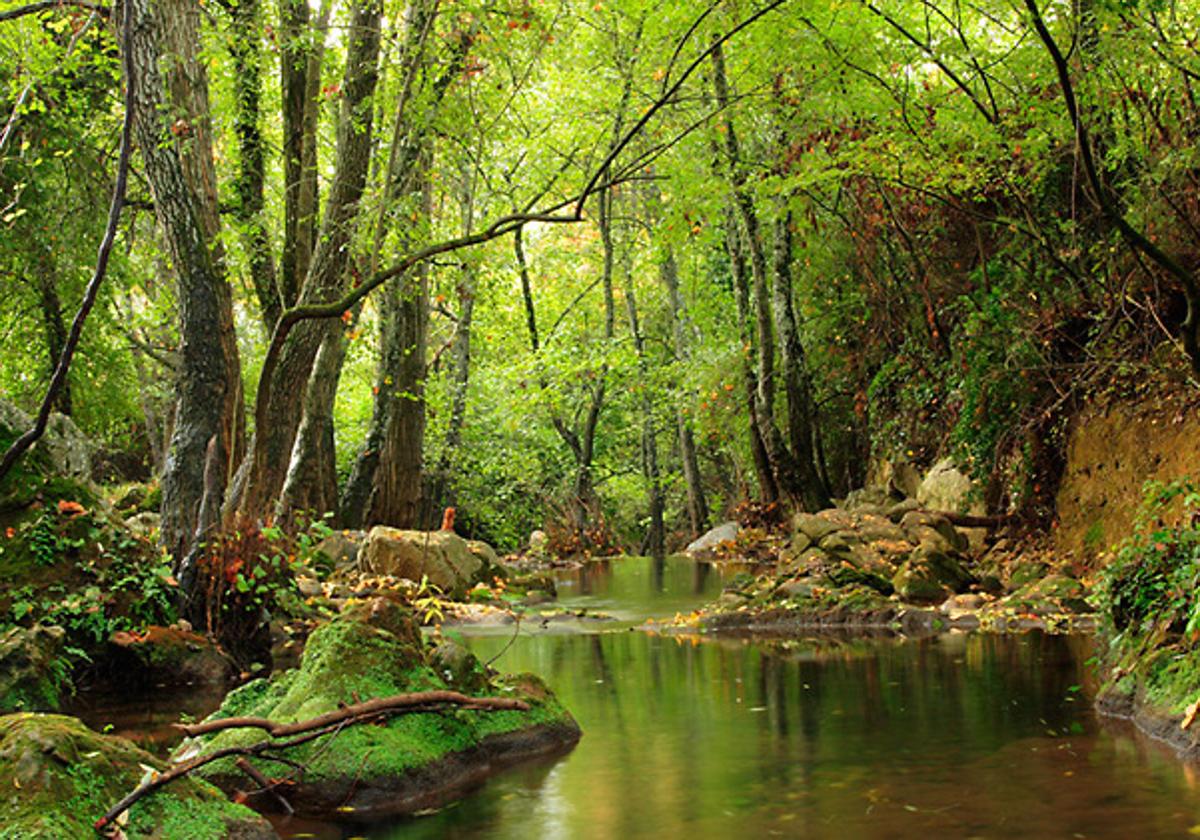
(59, 777)
(372, 652)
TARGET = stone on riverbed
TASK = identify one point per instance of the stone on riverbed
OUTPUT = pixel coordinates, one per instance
(416, 761)
(446, 559)
(707, 544)
(58, 777)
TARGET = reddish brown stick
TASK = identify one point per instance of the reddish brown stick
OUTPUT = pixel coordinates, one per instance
(395, 703)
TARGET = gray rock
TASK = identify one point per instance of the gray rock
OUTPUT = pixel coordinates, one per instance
(817, 526)
(707, 544)
(930, 575)
(945, 487)
(67, 450)
(876, 528)
(921, 526)
(144, 524)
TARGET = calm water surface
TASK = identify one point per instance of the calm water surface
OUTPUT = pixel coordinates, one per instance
(953, 736)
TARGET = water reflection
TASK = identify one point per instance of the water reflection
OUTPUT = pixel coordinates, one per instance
(962, 736)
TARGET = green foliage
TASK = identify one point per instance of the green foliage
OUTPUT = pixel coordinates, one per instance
(1153, 581)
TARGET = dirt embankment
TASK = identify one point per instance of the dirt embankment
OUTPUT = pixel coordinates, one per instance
(1113, 448)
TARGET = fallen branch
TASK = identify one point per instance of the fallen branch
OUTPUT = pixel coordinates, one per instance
(370, 711)
(384, 705)
(964, 520)
(264, 784)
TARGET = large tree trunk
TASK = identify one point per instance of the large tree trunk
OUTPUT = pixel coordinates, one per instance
(396, 496)
(311, 482)
(208, 424)
(300, 80)
(397, 429)
(284, 394)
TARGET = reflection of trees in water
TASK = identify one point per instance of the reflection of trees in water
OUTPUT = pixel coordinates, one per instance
(700, 573)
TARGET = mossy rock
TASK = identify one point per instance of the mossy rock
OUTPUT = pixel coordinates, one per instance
(930, 575)
(414, 761)
(31, 674)
(846, 574)
(1025, 572)
(59, 777)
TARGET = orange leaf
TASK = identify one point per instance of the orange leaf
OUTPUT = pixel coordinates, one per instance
(72, 508)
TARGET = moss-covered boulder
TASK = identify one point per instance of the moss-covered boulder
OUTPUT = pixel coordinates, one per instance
(411, 762)
(58, 777)
(930, 575)
(31, 674)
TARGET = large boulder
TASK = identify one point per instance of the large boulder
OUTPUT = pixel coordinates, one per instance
(708, 543)
(31, 673)
(66, 451)
(58, 777)
(409, 762)
(443, 557)
(947, 488)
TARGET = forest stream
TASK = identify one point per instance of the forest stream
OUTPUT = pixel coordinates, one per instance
(958, 735)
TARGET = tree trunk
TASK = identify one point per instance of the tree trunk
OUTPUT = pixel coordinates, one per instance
(311, 482)
(697, 505)
(53, 324)
(656, 535)
(442, 486)
(284, 395)
(396, 497)
(768, 489)
(813, 492)
(246, 50)
(208, 425)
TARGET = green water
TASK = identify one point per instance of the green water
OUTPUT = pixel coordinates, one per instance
(954, 736)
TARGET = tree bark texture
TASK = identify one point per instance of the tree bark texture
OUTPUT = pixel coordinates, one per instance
(285, 393)
(209, 386)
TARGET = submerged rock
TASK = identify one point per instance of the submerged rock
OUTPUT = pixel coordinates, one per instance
(58, 777)
(31, 675)
(412, 761)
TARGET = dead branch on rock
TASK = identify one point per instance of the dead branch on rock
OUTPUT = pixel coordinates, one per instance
(369, 711)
